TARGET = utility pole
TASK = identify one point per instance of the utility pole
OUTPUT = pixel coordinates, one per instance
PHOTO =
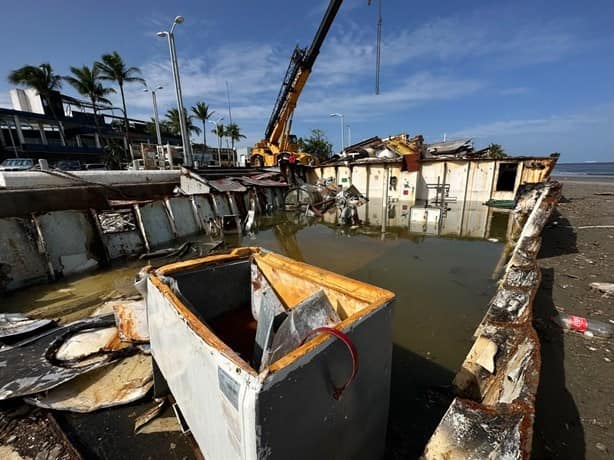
(185, 136)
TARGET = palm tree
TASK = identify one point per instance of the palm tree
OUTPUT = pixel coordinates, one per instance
(151, 127)
(496, 151)
(201, 112)
(112, 68)
(172, 122)
(44, 81)
(86, 81)
(234, 133)
(220, 132)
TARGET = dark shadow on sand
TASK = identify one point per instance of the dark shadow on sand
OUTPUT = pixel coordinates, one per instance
(420, 395)
(558, 237)
(558, 431)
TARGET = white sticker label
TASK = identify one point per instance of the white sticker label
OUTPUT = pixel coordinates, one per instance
(229, 387)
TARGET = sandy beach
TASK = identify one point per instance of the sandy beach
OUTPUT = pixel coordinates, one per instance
(575, 402)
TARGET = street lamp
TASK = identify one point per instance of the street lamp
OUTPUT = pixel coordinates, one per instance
(185, 137)
(219, 139)
(349, 134)
(155, 107)
(340, 115)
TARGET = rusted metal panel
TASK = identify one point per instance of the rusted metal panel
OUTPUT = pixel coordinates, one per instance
(220, 204)
(119, 232)
(131, 319)
(119, 383)
(186, 222)
(69, 237)
(156, 223)
(470, 431)
(35, 365)
(21, 261)
(227, 185)
(262, 182)
(537, 170)
(501, 372)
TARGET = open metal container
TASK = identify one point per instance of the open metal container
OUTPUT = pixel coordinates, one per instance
(213, 325)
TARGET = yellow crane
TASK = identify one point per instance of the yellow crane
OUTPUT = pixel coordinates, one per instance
(278, 141)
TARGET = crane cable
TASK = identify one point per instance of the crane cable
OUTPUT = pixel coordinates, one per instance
(378, 46)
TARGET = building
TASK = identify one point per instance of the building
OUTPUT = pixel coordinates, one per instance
(33, 129)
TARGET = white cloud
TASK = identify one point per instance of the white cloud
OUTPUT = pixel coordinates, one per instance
(556, 124)
(417, 67)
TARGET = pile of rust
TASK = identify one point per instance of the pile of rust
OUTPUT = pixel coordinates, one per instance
(493, 415)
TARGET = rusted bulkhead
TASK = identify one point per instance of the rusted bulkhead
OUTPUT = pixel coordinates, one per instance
(293, 407)
(497, 384)
(39, 246)
(462, 179)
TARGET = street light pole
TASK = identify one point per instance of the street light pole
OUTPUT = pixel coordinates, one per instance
(185, 137)
(219, 140)
(340, 115)
(349, 134)
(155, 107)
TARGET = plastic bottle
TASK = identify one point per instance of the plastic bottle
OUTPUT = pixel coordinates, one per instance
(584, 325)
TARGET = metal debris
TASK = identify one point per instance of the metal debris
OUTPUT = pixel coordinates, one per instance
(150, 414)
(117, 384)
(12, 324)
(179, 251)
(313, 312)
(131, 319)
(34, 364)
(121, 220)
(469, 431)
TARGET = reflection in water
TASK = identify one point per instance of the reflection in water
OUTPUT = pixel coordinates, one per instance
(442, 286)
(470, 219)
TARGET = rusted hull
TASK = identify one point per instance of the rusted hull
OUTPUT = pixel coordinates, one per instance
(497, 383)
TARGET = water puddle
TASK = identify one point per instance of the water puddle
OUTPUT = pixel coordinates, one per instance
(438, 262)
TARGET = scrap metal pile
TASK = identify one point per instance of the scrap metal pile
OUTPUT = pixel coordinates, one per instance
(315, 200)
(410, 149)
(96, 362)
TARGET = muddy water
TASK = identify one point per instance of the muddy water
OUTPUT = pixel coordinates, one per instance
(442, 285)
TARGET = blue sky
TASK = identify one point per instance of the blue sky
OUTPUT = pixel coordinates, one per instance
(534, 76)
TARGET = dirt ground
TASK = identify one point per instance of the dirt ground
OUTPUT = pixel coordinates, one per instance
(575, 401)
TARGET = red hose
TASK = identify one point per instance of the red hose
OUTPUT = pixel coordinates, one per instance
(350, 346)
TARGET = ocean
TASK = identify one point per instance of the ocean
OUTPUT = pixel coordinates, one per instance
(584, 169)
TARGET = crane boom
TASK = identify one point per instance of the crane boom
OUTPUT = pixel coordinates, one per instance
(277, 133)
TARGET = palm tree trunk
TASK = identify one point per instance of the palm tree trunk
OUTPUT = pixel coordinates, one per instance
(96, 120)
(126, 125)
(204, 136)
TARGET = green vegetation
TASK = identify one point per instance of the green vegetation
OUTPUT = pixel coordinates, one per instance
(173, 125)
(220, 132)
(233, 132)
(87, 82)
(201, 112)
(44, 81)
(317, 145)
(113, 68)
(496, 151)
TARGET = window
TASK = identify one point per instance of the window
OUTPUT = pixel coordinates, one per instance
(507, 177)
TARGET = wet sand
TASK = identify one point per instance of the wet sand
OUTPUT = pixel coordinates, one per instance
(575, 401)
